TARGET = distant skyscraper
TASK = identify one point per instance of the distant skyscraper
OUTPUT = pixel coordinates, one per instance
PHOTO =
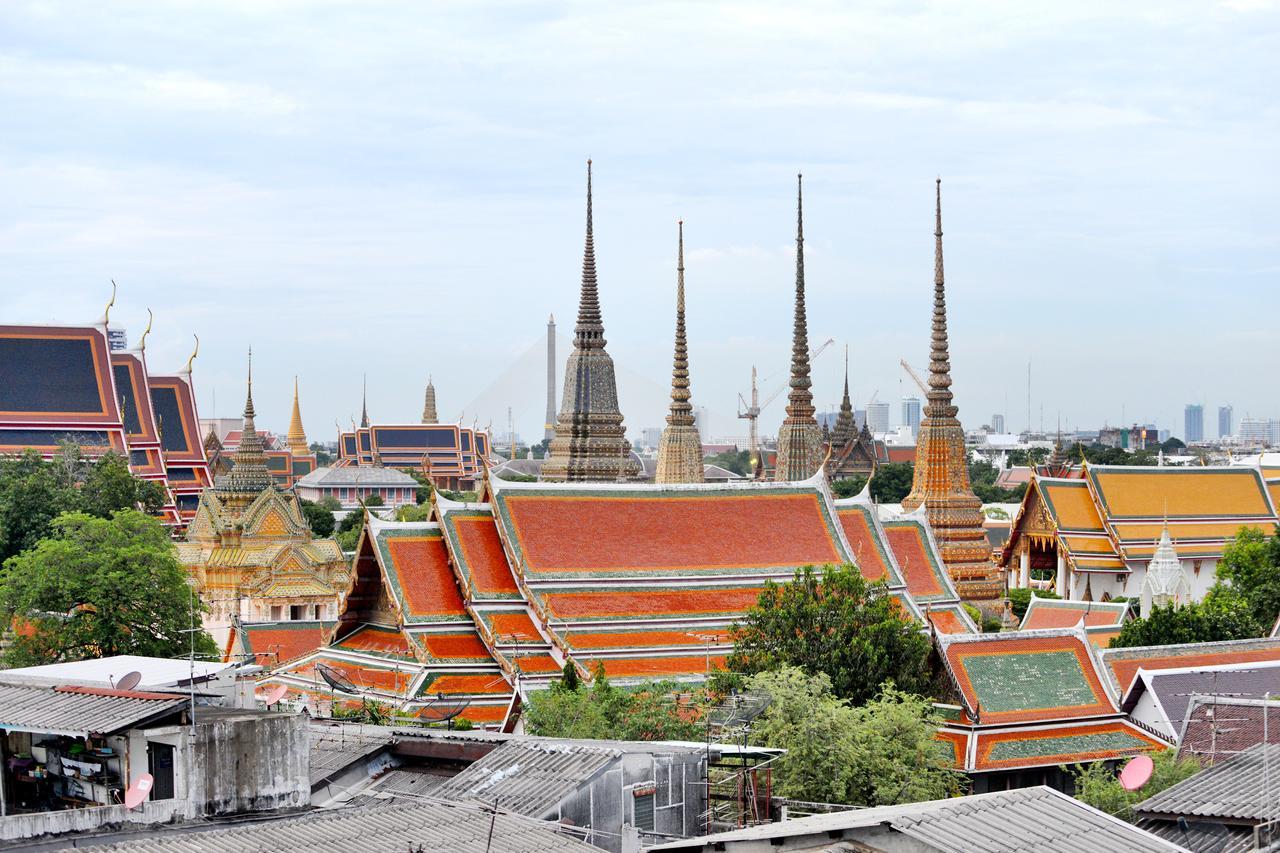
(878, 418)
(859, 418)
(911, 414)
(1260, 431)
(1224, 421)
(997, 424)
(1194, 426)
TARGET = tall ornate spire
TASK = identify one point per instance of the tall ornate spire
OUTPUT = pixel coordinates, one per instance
(941, 479)
(248, 475)
(590, 443)
(680, 448)
(429, 415)
(799, 439)
(364, 401)
(297, 438)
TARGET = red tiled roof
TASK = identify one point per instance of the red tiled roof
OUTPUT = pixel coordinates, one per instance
(902, 454)
(422, 568)
(947, 621)
(655, 667)
(482, 551)
(909, 549)
(274, 643)
(627, 533)
(507, 625)
(623, 603)
(484, 683)
(957, 745)
(857, 529)
(454, 646)
(537, 663)
(1057, 616)
(1124, 667)
(372, 638)
(640, 639)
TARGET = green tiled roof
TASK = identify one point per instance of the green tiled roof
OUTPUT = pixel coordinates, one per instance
(1013, 682)
(1078, 744)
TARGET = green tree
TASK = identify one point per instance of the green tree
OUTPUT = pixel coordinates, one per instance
(319, 519)
(1097, 785)
(349, 528)
(1020, 599)
(1249, 572)
(833, 622)
(32, 494)
(881, 753)
(414, 512)
(1206, 622)
(892, 482)
(373, 500)
(330, 503)
(602, 711)
(850, 487)
(99, 587)
(107, 485)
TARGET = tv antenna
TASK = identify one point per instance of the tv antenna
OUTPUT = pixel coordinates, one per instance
(129, 680)
(274, 695)
(337, 680)
(138, 791)
(442, 710)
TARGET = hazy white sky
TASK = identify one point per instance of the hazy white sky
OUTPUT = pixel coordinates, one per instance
(398, 188)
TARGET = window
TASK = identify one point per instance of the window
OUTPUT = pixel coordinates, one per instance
(275, 613)
(297, 611)
(642, 806)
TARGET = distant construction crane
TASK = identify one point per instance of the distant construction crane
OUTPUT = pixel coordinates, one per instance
(915, 377)
(751, 413)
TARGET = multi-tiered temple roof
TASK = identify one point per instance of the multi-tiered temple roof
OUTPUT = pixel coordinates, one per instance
(644, 580)
(590, 443)
(941, 479)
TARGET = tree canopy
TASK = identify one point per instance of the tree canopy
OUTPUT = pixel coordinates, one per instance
(319, 518)
(602, 711)
(1199, 622)
(737, 461)
(892, 482)
(33, 492)
(832, 621)
(881, 753)
(1249, 572)
(98, 587)
(1020, 599)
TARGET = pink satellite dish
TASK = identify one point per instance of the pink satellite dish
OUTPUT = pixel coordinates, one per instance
(138, 791)
(128, 681)
(1137, 772)
(274, 695)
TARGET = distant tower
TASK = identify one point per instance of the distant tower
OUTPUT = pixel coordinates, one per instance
(364, 402)
(680, 448)
(799, 439)
(549, 428)
(297, 438)
(429, 415)
(590, 442)
(845, 429)
(941, 481)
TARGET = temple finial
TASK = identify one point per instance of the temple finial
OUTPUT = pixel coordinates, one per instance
(248, 400)
(680, 447)
(589, 332)
(297, 437)
(799, 439)
(142, 342)
(106, 312)
(195, 352)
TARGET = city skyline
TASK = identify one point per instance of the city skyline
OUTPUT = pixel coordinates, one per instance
(431, 229)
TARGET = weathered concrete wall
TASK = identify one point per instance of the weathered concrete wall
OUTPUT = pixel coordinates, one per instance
(15, 827)
(250, 763)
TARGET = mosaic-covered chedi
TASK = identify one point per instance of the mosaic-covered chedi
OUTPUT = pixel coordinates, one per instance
(941, 478)
(488, 600)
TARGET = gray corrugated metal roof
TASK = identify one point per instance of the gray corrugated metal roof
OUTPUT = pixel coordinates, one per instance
(336, 747)
(529, 777)
(399, 786)
(1234, 789)
(1027, 820)
(437, 827)
(78, 711)
(1202, 836)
